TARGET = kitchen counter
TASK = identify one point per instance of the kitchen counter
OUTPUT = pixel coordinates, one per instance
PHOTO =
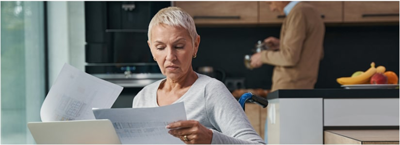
(301, 116)
(335, 93)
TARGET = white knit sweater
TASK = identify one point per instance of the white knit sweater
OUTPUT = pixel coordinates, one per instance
(209, 102)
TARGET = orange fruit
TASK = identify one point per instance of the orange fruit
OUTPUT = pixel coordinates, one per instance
(392, 77)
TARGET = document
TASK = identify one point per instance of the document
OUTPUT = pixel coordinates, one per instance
(74, 94)
(144, 125)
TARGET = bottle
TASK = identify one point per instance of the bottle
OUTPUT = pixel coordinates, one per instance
(247, 61)
(260, 46)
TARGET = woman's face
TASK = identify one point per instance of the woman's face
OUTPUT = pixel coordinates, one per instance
(172, 48)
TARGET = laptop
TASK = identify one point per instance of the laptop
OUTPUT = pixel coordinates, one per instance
(74, 132)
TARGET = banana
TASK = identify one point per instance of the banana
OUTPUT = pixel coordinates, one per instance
(360, 79)
(380, 69)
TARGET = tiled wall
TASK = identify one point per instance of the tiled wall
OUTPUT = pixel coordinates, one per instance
(347, 49)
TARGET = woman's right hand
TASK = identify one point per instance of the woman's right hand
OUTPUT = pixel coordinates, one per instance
(272, 43)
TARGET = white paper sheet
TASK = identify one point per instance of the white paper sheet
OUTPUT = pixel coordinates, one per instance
(144, 125)
(74, 94)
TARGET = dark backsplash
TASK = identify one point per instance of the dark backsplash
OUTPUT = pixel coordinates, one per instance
(347, 49)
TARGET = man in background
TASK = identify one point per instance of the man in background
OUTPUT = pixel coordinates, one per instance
(297, 54)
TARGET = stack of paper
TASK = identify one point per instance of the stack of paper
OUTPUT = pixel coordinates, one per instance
(144, 125)
(75, 93)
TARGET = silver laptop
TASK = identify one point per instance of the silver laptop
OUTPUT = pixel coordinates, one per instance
(74, 132)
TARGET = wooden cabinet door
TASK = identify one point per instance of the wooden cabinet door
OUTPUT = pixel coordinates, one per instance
(226, 12)
(253, 114)
(331, 12)
(268, 17)
(371, 11)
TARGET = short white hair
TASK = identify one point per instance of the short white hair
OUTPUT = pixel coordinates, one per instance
(173, 16)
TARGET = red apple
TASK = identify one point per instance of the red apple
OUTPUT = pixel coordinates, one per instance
(378, 78)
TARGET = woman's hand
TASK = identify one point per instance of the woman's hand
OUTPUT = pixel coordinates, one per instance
(190, 132)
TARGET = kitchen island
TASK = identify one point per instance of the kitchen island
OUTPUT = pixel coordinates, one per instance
(300, 116)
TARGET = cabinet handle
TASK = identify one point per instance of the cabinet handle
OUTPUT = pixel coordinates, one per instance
(128, 7)
(281, 16)
(284, 16)
(381, 15)
(216, 17)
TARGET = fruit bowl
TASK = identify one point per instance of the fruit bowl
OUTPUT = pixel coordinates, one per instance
(371, 86)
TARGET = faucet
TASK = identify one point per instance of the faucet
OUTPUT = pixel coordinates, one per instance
(127, 71)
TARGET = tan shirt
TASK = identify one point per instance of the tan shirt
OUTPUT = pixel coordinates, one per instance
(301, 49)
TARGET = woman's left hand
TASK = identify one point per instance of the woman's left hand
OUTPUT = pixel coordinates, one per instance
(190, 132)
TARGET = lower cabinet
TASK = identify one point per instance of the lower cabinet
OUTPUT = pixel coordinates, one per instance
(380, 136)
(361, 112)
(257, 116)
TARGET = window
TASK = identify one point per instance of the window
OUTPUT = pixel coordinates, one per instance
(22, 69)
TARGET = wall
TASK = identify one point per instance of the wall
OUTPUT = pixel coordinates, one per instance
(66, 36)
(347, 49)
(22, 69)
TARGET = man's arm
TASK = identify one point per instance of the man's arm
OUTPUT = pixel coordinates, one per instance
(290, 45)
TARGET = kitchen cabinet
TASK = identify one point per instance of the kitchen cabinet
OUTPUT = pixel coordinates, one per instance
(253, 114)
(331, 12)
(205, 12)
(221, 12)
(361, 112)
(381, 136)
(300, 116)
(371, 11)
(257, 117)
(266, 16)
(263, 119)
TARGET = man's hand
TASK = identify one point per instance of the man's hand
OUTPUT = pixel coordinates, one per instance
(272, 43)
(256, 60)
(190, 132)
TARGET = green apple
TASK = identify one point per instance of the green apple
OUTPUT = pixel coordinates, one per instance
(357, 73)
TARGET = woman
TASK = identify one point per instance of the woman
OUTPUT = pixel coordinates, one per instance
(214, 115)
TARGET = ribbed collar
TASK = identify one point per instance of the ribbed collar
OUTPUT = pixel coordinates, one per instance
(289, 7)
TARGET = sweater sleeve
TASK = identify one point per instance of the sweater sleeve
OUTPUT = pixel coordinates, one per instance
(290, 44)
(230, 123)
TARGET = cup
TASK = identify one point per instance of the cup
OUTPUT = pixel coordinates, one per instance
(247, 61)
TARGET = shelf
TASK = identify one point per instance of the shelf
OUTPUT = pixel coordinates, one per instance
(127, 30)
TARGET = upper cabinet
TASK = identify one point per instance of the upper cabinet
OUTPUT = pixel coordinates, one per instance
(371, 11)
(226, 12)
(268, 17)
(331, 12)
(253, 12)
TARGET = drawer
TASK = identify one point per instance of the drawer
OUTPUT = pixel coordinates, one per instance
(361, 112)
(361, 136)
